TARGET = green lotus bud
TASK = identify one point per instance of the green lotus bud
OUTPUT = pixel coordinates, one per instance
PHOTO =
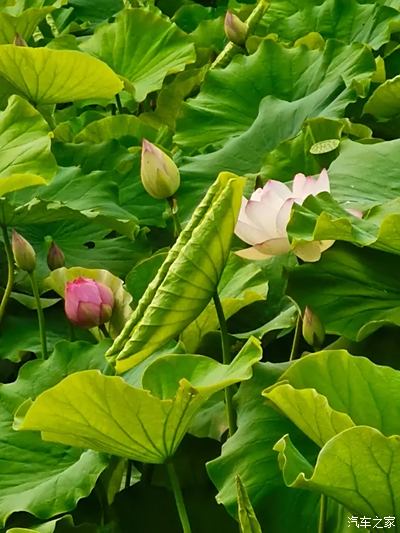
(235, 29)
(313, 329)
(55, 257)
(24, 254)
(159, 174)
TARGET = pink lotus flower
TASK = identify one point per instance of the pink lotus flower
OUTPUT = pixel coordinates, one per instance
(263, 219)
(88, 303)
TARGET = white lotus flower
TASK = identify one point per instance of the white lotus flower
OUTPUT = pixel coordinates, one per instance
(263, 219)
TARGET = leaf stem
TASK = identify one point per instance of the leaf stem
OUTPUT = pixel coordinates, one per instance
(10, 274)
(180, 504)
(232, 49)
(40, 315)
(173, 205)
(118, 102)
(322, 513)
(226, 359)
(128, 474)
(296, 339)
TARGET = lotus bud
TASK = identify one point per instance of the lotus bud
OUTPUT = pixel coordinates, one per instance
(24, 254)
(313, 329)
(55, 257)
(88, 303)
(159, 174)
(235, 29)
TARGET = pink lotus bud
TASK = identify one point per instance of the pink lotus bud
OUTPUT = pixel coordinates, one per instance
(235, 29)
(19, 40)
(55, 257)
(88, 303)
(159, 174)
(24, 254)
(313, 329)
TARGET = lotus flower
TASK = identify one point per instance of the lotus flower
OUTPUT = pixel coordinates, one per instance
(263, 219)
(88, 303)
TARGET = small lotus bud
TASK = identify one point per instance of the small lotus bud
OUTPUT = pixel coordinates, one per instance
(313, 329)
(24, 254)
(55, 257)
(235, 29)
(159, 174)
(88, 303)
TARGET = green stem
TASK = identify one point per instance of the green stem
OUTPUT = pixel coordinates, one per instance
(40, 315)
(232, 49)
(119, 105)
(180, 504)
(296, 339)
(226, 359)
(10, 275)
(173, 205)
(322, 513)
(128, 474)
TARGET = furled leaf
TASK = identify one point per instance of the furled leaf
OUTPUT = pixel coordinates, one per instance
(107, 414)
(46, 76)
(39, 478)
(355, 291)
(247, 518)
(142, 47)
(241, 284)
(186, 281)
(345, 468)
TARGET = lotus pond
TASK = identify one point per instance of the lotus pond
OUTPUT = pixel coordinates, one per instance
(199, 266)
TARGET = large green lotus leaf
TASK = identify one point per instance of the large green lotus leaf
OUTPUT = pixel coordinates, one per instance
(226, 107)
(94, 196)
(25, 147)
(345, 20)
(310, 412)
(172, 96)
(293, 156)
(359, 468)
(366, 174)
(143, 48)
(84, 243)
(188, 278)
(107, 414)
(384, 102)
(23, 25)
(125, 167)
(287, 86)
(95, 10)
(354, 291)
(121, 310)
(249, 454)
(116, 127)
(40, 478)
(332, 388)
(46, 76)
(241, 284)
(47, 527)
(321, 218)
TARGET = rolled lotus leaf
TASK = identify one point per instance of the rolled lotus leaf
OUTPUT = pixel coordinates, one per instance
(186, 280)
